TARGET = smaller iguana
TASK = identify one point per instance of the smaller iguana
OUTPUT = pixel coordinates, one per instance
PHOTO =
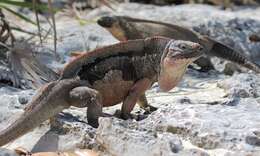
(108, 76)
(126, 28)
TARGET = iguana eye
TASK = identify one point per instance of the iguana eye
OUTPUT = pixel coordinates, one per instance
(183, 46)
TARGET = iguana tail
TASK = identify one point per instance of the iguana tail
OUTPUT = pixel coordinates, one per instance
(27, 70)
(223, 51)
(50, 100)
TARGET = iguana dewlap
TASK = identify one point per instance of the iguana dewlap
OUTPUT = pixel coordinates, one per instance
(107, 76)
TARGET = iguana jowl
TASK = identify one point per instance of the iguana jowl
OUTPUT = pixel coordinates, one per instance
(127, 28)
(106, 77)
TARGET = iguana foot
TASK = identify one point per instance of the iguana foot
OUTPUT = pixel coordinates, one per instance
(94, 121)
(137, 117)
(118, 114)
(127, 116)
(143, 103)
(149, 109)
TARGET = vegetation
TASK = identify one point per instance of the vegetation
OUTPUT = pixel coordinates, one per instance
(6, 37)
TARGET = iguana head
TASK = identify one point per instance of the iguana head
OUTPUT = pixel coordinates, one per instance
(175, 59)
(112, 24)
(120, 27)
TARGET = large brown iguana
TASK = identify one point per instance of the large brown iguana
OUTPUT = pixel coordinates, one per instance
(126, 28)
(107, 76)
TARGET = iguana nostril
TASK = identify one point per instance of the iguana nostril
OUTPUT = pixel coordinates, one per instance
(197, 47)
(105, 21)
(201, 48)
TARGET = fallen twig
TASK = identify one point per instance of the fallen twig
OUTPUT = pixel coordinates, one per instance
(54, 29)
(37, 20)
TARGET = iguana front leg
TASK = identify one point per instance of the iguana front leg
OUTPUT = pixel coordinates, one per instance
(134, 94)
(143, 103)
(87, 97)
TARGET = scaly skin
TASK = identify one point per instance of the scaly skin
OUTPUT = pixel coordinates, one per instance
(127, 28)
(107, 76)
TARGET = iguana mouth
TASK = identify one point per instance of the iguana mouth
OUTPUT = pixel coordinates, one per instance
(186, 56)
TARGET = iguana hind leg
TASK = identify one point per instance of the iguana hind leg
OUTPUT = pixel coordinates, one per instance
(143, 103)
(50, 100)
(134, 94)
(87, 97)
